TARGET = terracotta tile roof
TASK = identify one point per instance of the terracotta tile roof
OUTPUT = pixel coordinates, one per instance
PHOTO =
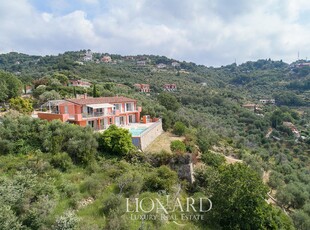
(141, 85)
(101, 100)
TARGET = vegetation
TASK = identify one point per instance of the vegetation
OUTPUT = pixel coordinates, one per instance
(178, 147)
(21, 105)
(55, 174)
(10, 86)
(115, 141)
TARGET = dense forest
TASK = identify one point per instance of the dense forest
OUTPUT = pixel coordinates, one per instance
(60, 176)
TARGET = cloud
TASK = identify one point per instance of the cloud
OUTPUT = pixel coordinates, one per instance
(211, 32)
(29, 31)
(90, 1)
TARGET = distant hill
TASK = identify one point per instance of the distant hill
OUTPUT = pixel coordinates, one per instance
(258, 111)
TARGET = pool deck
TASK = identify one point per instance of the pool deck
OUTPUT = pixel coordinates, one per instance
(138, 125)
(134, 126)
(145, 138)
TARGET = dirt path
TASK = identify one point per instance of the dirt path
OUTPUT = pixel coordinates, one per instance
(266, 176)
(231, 160)
(162, 142)
(269, 132)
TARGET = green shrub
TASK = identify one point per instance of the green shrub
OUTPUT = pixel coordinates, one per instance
(8, 219)
(179, 128)
(70, 189)
(213, 159)
(161, 158)
(130, 183)
(177, 147)
(61, 161)
(116, 222)
(92, 186)
(114, 204)
(162, 179)
(75, 200)
(116, 141)
(68, 221)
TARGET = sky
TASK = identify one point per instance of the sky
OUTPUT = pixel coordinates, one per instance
(208, 32)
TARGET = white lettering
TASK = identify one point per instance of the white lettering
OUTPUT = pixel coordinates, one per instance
(190, 204)
(161, 207)
(141, 205)
(177, 204)
(201, 204)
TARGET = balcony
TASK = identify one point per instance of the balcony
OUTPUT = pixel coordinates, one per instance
(53, 116)
(113, 113)
(97, 114)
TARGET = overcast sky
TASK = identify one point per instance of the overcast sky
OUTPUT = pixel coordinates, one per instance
(209, 32)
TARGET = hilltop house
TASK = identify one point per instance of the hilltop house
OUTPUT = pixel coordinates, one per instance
(175, 64)
(253, 107)
(293, 128)
(99, 113)
(88, 56)
(144, 88)
(141, 63)
(170, 87)
(161, 66)
(267, 101)
(106, 59)
(79, 83)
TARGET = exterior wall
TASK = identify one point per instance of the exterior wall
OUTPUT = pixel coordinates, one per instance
(78, 109)
(123, 107)
(148, 136)
(71, 109)
(52, 116)
(81, 123)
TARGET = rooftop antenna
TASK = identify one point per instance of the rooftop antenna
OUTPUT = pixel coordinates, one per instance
(298, 55)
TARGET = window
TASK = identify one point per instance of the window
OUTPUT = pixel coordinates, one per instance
(129, 107)
(89, 110)
(121, 121)
(91, 124)
(132, 118)
(118, 107)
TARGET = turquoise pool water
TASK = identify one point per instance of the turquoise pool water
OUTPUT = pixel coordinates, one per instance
(137, 131)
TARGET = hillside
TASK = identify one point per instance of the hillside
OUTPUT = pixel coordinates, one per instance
(213, 105)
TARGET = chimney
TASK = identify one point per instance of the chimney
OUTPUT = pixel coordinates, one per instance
(85, 95)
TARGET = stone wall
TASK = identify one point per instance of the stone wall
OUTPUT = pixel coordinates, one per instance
(183, 165)
(149, 135)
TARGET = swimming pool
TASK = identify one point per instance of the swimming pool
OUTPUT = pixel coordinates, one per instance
(136, 131)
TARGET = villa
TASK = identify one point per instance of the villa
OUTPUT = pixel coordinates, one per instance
(98, 112)
(144, 88)
(101, 112)
(170, 87)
